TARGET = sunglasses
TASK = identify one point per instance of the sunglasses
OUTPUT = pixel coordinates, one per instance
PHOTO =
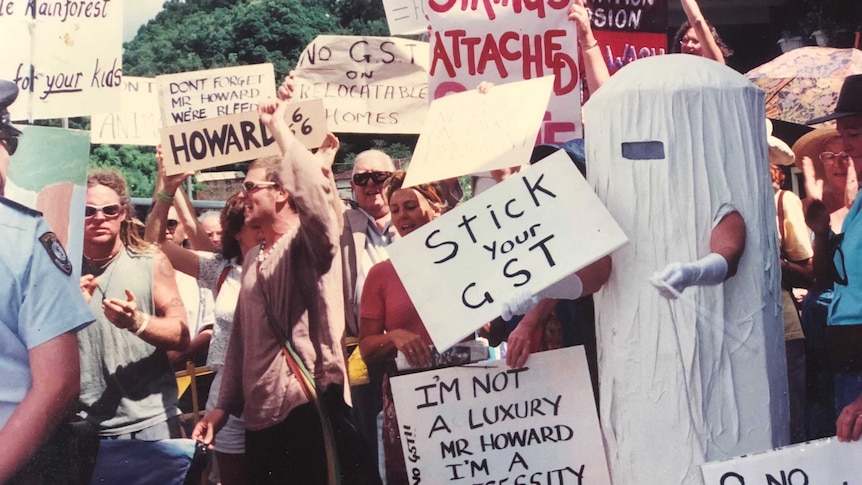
(832, 157)
(250, 186)
(172, 224)
(11, 144)
(111, 210)
(362, 179)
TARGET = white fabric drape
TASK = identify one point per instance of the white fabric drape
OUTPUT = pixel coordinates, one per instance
(700, 378)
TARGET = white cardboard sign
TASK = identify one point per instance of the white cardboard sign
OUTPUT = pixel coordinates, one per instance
(502, 42)
(826, 461)
(135, 121)
(405, 17)
(236, 138)
(202, 95)
(368, 84)
(471, 132)
(486, 423)
(528, 232)
(65, 56)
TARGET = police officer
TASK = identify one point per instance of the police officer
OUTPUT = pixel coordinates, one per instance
(41, 308)
(8, 133)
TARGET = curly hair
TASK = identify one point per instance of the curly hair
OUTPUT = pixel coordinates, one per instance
(129, 232)
(726, 51)
(232, 220)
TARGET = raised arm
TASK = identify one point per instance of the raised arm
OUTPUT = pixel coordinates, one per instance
(302, 176)
(594, 65)
(181, 258)
(702, 31)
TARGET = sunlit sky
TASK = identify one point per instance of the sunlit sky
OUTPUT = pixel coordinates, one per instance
(137, 13)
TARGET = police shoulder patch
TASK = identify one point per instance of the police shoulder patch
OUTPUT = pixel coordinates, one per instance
(56, 252)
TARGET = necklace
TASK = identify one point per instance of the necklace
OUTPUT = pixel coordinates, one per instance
(91, 269)
(102, 261)
(262, 255)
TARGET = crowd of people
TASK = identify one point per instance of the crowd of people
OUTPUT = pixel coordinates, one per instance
(288, 295)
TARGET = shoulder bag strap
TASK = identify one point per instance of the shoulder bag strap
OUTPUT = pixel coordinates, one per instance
(306, 380)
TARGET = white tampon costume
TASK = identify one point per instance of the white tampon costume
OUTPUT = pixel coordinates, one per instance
(702, 378)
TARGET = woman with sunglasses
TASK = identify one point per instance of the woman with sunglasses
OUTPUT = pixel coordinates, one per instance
(389, 324)
(128, 387)
(220, 273)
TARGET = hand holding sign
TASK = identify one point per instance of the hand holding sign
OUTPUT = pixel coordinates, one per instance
(238, 138)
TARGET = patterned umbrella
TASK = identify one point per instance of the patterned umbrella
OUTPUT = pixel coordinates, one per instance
(804, 83)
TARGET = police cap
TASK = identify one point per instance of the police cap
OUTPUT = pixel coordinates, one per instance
(8, 93)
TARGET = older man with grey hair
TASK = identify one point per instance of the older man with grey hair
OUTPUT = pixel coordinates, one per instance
(367, 231)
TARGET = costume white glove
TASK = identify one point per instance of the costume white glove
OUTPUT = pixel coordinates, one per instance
(676, 277)
(568, 288)
(523, 301)
(520, 303)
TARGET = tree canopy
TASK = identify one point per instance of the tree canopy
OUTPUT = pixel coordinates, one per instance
(208, 34)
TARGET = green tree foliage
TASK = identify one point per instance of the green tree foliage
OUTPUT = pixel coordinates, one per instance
(207, 34)
(137, 164)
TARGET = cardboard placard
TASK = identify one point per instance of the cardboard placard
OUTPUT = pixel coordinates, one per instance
(825, 461)
(201, 95)
(368, 84)
(525, 233)
(628, 32)
(502, 42)
(486, 423)
(236, 138)
(471, 132)
(405, 17)
(136, 121)
(65, 57)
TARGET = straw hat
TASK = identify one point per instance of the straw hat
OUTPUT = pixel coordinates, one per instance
(811, 145)
(779, 152)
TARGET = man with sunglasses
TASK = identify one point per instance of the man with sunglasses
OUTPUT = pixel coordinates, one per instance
(367, 231)
(285, 363)
(41, 310)
(128, 387)
(844, 330)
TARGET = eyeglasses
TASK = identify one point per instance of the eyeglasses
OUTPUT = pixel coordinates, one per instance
(11, 144)
(832, 157)
(689, 40)
(110, 210)
(250, 186)
(362, 179)
(839, 275)
(172, 224)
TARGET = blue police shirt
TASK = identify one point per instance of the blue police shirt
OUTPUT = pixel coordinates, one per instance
(40, 297)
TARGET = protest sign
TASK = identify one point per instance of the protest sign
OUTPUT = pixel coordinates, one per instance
(503, 42)
(65, 57)
(49, 173)
(471, 132)
(405, 17)
(825, 461)
(236, 138)
(628, 31)
(136, 121)
(525, 233)
(488, 424)
(368, 84)
(202, 95)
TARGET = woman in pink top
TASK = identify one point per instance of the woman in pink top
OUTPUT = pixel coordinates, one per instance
(389, 323)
